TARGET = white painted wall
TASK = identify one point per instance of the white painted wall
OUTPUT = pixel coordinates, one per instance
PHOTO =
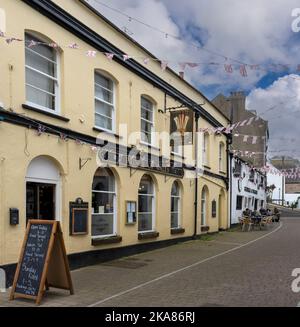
(248, 198)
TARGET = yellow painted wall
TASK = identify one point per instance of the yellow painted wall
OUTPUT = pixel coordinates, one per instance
(77, 99)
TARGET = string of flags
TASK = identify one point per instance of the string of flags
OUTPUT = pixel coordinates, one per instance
(231, 127)
(229, 68)
(292, 173)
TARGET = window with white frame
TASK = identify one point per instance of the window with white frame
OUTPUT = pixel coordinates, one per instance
(103, 204)
(104, 102)
(147, 120)
(42, 83)
(203, 206)
(221, 156)
(205, 148)
(175, 206)
(146, 205)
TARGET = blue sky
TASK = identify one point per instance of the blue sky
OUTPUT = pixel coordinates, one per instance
(250, 31)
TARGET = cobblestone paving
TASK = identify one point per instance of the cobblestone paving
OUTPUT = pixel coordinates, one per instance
(249, 273)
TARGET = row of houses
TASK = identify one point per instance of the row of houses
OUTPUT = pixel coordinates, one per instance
(84, 133)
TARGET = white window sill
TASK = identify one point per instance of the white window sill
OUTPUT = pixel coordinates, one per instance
(149, 145)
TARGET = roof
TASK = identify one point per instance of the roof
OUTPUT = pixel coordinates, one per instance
(128, 37)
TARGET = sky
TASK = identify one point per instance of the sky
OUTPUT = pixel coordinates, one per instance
(255, 32)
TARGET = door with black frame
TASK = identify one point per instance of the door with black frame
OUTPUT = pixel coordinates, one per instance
(40, 201)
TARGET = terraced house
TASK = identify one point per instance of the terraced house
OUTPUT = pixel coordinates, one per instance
(65, 105)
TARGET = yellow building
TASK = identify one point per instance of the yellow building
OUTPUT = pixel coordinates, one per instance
(60, 97)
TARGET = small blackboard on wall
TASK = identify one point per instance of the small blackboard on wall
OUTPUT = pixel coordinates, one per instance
(214, 209)
(79, 217)
(43, 262)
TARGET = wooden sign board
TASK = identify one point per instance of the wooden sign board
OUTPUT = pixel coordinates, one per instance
(79, 212)
(43, 262)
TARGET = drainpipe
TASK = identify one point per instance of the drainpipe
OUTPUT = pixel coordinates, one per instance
(196, 175)
(229, 176)
(229, 165)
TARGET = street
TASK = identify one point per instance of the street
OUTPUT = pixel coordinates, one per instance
(232, 268)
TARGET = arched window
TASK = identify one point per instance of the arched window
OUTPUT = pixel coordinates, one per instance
(175, 205)
(203, 206)
(146, 204)
(205, 149)
(103, 204)
(104, 102)
(221, 156)
(42, 73)
(147, 120)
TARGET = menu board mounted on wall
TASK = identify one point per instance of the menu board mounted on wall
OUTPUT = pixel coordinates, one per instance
(130, 212)
(214, 208)
(43, 262)
(79, 217)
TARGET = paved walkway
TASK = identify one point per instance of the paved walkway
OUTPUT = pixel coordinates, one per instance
(232, 268)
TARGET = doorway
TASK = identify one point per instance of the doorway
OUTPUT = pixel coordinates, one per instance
(40, 201)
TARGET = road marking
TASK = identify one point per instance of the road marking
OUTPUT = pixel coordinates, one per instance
(229, 243)
(183, 269)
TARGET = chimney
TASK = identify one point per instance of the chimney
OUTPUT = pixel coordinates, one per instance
(181, 74)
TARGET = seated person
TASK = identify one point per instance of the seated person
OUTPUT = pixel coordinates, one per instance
(276, 214)
(269, 212)
(247, 212)
(263, 211)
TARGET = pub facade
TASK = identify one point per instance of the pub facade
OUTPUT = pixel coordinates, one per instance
(83, 123)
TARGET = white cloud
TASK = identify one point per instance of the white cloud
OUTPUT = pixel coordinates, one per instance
(253, 31)
(279, 104)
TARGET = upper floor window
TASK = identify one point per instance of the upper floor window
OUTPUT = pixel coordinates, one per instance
(221, 156)
(147, 120)
(104, 102)
(42, 83)
(205, 148)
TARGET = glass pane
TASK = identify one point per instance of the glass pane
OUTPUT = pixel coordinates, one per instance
(146, 138)
(44, 50)
(145, 203)
(103, 94)
(104, 81)
(103, 122)
(40, 81)
(102, 202)
(146, 185)
(104, 109)
(35, 61)
(102, 225)
(147, 115)
(147, 104)
(174, 204)
(175, 189)
(174, 220)
(146, 127)
(104, 181)
(40, 98)
(145, 222)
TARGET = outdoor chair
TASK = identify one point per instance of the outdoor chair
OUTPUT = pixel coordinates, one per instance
(247, 224)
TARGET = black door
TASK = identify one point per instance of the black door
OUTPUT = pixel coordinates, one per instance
(40, 201)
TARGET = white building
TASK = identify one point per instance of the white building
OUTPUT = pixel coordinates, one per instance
(275, 178)
(248, 189)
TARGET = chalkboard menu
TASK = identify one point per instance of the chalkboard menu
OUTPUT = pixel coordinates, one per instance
(79, 217)
(34, 256)
(43, 262)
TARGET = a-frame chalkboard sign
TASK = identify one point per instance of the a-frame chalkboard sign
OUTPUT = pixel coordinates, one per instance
(43, 262)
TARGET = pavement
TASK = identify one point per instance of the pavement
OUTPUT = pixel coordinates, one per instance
(232, 268)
